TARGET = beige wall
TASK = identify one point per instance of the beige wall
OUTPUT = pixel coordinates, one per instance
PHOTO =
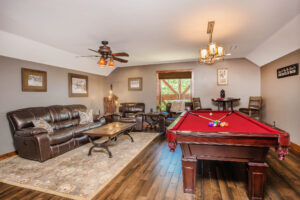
(244, 81)
(13, 98)
(281, 96)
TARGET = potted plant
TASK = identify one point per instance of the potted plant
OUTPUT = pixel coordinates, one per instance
(158, 108)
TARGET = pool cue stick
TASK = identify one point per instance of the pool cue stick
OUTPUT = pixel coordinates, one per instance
(226, 115)
(201, 116)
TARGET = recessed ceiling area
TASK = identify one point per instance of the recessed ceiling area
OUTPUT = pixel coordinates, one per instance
(151, 32)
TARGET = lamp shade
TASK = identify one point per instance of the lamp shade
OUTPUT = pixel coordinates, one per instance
(101, 62)
(203, 53)
(212, 49)
(111, 63)
(221, 51)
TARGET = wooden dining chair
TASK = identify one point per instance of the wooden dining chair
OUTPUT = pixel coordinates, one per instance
(197, 104)
(254, 106)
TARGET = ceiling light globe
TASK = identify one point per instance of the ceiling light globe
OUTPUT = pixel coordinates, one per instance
(203, 53)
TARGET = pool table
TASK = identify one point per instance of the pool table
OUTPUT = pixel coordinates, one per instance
(243, 140)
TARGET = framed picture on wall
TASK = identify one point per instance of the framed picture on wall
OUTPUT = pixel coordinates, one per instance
(135, 84)
(78, 85)
(222, 76)
(34, 80)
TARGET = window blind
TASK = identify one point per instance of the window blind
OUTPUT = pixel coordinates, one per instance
(175, 75)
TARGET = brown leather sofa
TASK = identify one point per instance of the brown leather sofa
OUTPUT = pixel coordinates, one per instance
(36, 143)
(131, 112)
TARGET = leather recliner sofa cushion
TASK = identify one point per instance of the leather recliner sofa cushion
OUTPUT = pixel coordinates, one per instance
(59, 113)
(65, 124)
(61, 136)
(23, 118)
(128, 119)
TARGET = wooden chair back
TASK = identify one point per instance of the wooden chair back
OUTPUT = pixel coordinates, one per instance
(255, 102)
(196, 103)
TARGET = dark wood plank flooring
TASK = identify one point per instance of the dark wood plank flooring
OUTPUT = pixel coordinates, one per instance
(156, 174)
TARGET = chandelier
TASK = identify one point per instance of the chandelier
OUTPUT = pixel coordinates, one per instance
(213, 52)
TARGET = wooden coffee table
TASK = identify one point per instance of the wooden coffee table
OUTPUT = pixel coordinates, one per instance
(112, 131)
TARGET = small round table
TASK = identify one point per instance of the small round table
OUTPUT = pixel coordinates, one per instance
(223, 101)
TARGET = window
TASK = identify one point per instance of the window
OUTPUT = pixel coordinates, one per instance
(173, 86)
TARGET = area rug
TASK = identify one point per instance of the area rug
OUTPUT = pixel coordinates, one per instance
(74, 174)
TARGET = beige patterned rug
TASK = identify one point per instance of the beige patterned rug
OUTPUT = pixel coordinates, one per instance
(75, 174)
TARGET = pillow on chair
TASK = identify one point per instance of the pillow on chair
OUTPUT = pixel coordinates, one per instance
(177, 106)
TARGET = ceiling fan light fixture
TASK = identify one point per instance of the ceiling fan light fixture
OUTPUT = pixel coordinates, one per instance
(111, 63)
(102, 62)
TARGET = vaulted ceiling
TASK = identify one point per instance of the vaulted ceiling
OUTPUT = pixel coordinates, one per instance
(154, 31)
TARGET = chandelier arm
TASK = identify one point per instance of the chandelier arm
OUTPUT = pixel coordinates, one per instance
(210, 38)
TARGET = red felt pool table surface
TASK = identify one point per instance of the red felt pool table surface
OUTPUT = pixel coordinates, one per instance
(237, 123)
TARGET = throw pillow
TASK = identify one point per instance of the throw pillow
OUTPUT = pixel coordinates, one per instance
(177, 106)
(86, 118)
(41, 123)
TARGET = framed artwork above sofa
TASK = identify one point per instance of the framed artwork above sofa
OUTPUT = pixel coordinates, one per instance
(34, 80)
(135, 84)
(78, 85)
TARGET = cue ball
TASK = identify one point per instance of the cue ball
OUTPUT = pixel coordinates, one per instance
(210, 114)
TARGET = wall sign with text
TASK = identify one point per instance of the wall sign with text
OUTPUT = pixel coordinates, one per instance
(290, 70)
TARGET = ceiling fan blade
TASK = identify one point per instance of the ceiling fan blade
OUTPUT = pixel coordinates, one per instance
(120, 59)
(88, 56)
(120, 54)
(93, 50)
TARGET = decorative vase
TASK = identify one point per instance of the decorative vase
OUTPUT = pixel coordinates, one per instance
(222, 93)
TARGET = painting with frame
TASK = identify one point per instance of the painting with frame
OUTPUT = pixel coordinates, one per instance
(135, 84)
(78, 85)
(34, 80)
(222, 76)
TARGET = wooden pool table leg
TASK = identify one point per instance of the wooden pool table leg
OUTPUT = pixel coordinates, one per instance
(257, 173)
(189, 167)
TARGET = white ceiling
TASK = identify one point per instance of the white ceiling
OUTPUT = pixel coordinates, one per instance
(151, 31)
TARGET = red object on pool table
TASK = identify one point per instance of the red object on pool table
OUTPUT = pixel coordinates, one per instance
(244, 140)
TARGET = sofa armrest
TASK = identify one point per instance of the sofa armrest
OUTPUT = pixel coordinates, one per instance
(34, 147)
(31, 131)
(96, 118)
(139, 122)
(116, 117)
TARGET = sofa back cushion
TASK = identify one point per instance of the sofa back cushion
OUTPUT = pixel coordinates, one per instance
(59, 113)
(131, 107)
(64, 124)
(22, 118)
(74, 110)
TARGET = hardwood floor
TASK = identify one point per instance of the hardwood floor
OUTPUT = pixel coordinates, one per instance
(156, 174)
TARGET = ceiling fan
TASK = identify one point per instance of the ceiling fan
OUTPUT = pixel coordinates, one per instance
(106, 53)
